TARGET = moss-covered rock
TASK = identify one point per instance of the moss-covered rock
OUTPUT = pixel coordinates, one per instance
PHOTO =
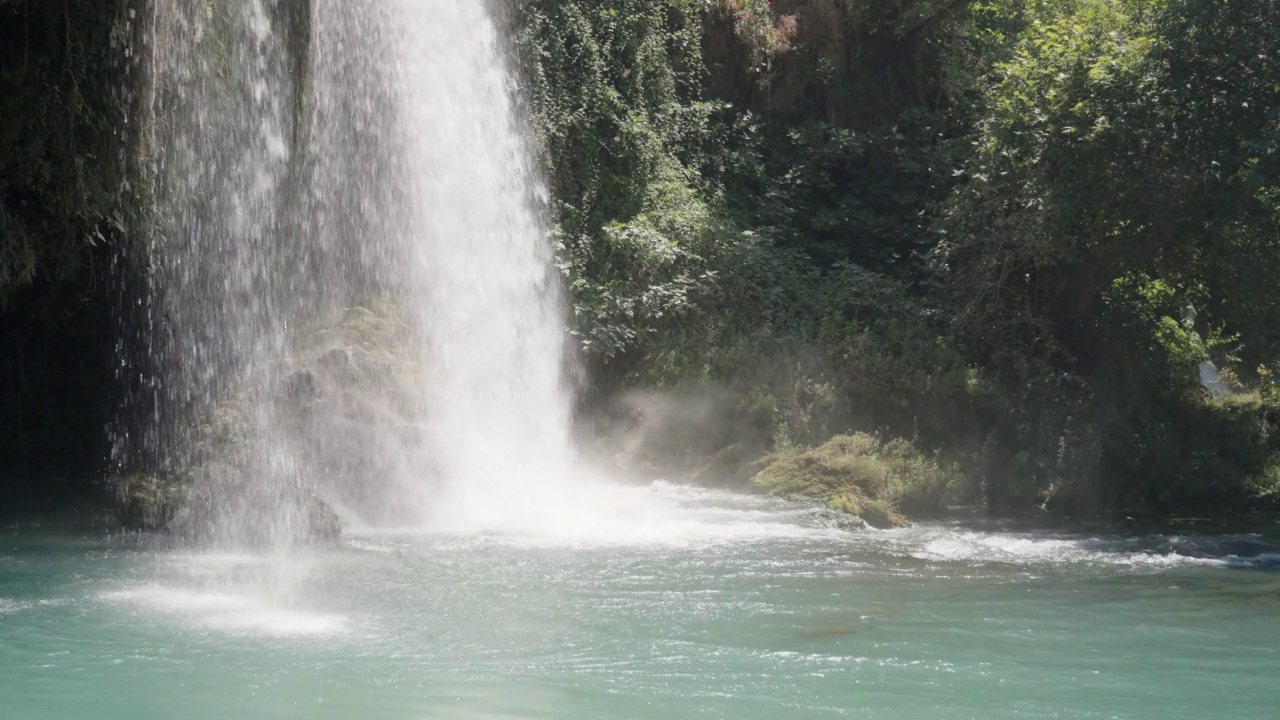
(216, 502)
(336, 419)
(861, 475)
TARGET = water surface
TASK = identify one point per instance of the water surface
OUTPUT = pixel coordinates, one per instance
(746, 608)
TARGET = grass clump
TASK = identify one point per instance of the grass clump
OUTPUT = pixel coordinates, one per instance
(862, 475)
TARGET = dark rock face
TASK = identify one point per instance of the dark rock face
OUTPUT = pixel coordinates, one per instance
(55, 365)
(337, 421)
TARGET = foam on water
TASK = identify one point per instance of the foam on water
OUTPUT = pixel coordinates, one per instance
(1261, 560)
(238, 593)
(992, 547)
(948, 543)
(273, 596)
(240, 614)
(9, 606)
(591, 514)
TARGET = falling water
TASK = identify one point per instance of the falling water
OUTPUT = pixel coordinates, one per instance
(476, 277)
(312, 158)
(221, 143)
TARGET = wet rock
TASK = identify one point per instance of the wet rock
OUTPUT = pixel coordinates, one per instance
(300, 386)
(148, 501)
(338, 418)
(224, 506)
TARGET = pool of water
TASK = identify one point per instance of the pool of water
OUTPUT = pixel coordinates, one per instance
(747, 608)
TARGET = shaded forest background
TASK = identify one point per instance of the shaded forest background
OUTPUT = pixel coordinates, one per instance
(1010, 232)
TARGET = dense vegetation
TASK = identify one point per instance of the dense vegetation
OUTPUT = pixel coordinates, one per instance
(981, 225)
(1004, 234)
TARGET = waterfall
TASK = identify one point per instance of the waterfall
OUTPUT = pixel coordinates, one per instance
(311, 161)
(456, 237)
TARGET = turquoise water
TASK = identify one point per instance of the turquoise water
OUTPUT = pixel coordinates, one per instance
(747, 609)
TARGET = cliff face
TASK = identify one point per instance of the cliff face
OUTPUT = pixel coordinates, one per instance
(64, 94)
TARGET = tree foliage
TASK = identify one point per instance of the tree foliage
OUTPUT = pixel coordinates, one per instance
(980, 223)
(1121, 178)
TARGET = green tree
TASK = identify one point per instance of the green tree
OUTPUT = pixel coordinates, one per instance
(1123, 173)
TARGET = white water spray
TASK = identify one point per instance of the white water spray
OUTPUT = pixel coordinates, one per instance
(477, 274)
(319, 156)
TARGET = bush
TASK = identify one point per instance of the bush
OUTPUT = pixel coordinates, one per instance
(864, 476)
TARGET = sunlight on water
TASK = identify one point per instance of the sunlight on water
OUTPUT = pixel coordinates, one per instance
(760, 610)
(594, 514)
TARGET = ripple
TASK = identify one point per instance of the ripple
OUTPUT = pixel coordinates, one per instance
(9, 607)
(953, 544)
(1262, 560)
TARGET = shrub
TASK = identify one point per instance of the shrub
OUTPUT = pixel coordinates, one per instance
(864, 476)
